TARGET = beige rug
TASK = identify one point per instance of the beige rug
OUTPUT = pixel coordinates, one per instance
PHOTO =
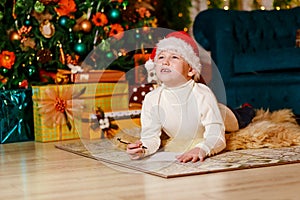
(271, 139)
(163, 164)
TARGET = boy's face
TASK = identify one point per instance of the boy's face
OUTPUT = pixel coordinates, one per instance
(172, 69)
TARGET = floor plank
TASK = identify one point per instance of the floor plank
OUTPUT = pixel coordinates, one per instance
(31, 170)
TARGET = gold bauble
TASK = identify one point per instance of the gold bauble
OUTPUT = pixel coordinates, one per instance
(86, 26)
(14, 35)
(62, 76)
(47, 29)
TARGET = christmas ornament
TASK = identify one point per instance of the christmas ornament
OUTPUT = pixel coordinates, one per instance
(39, 7)
(116, 31)
(62, 76)
(62, 57)
(31, 71)
(78, 21)
(40, 17)
(7, 59)
(114, 15)
(23, 31)
(86, 26)
(99, 19)
(80, 48)
(109, 55)
(124, 3)
(63, 21)
(74, 60)
(71, 22)
(23, 84)
(146, 29)
(137, 35)
(28, 43)
(47, 29)
(3, 79)
(4, 71)
(66, 7)
(28, 21)
(104, 45)
(14, 36)
(44, 55)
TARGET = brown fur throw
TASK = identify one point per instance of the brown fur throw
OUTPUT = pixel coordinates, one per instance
(267, 129)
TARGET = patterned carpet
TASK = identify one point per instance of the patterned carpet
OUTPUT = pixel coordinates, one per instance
(163, 164)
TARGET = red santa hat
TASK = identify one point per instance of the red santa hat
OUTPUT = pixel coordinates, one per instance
(179, 42)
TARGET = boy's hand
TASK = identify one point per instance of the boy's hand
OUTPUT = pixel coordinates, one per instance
(135, 150)
(193, 155)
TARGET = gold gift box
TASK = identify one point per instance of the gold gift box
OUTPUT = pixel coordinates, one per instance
(108, 96)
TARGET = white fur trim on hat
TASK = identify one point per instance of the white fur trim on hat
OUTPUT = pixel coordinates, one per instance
(183, 48)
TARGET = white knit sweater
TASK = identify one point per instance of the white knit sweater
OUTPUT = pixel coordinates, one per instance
(188, 114)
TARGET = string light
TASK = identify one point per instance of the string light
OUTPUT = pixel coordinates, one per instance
(226, 5)
(259, 4)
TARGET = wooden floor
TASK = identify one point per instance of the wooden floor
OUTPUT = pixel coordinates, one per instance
(32, 171)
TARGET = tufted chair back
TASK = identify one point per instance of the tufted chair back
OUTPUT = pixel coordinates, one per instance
(258, 30)
(230, 35)
(255, 53)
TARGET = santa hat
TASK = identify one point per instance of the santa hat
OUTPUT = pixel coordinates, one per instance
(179, 42)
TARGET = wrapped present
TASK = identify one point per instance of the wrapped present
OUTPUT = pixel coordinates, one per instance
(137, 94)
(58, 108)
(16, 116)
(98, 76)
(53, 109)
(108, 96)
(107, 125)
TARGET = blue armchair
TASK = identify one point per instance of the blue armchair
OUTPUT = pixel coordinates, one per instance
(255, 54)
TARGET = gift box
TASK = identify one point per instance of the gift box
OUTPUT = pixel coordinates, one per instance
(58, 109)
(119, 120)
(97, 76)
(16, 116)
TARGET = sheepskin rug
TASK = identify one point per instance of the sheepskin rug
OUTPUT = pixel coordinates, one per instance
(267, 130)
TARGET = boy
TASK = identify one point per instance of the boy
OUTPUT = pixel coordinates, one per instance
(187, 111)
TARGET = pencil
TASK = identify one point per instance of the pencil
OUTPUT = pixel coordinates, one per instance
(124, 142)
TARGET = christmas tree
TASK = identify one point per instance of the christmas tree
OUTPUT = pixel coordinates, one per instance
(39, 37)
